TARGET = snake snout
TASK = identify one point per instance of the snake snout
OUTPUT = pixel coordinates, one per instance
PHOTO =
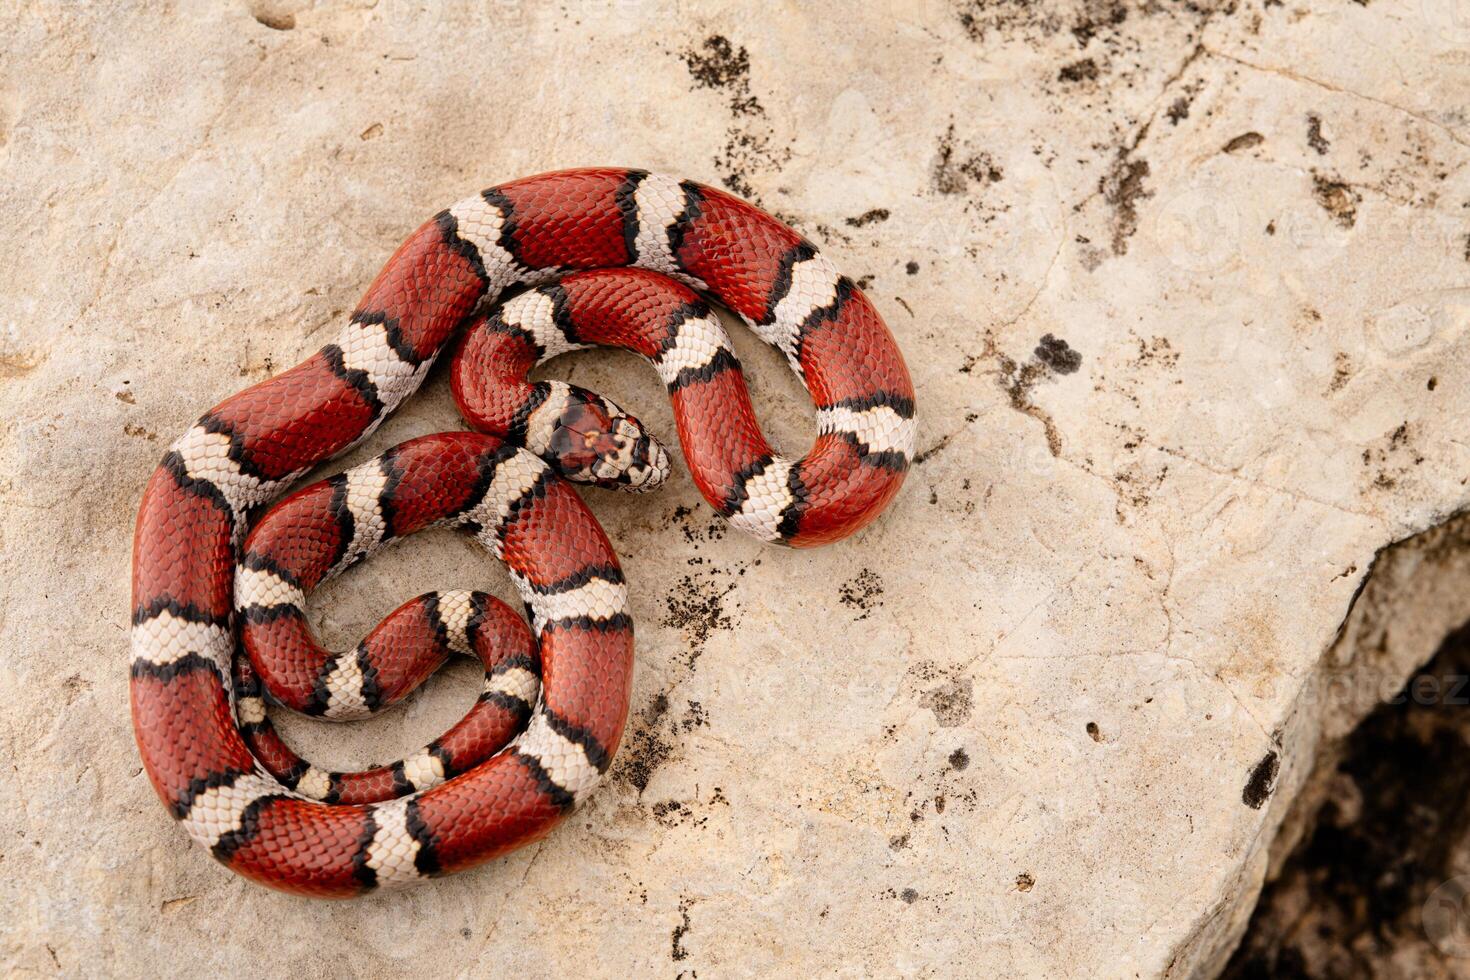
(629, 458)
(648, 462)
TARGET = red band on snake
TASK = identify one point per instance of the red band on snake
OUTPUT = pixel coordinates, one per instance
(606, 257)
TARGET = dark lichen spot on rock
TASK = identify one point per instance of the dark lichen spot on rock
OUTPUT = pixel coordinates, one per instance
(1156, 352)
(959, 760)
(1094, 732)
(1014, 20)
(951, 174)
(898, 843)
(868, 217)
(1262, 781)
(1315, 139)
(74, 687)
(692, 813)
(1393, 458)
(677, 951)
(746, 151)
(912, 268)
(1337, 199)
(1024, 882)
(675, 813)
(909, 896)
(718, 64)
(649, 746)
(1051, 358)
(863, 592)
(1342, 371)
(1056, 354)
(698, 529)
(1432, 384)
(1244, 141)
(750, 144)
(1178, 111)
(951, 702)
(1122, 187)
(696, 606)
(646, 748)
(924, 456)
(1082, 70)
(1099, 17)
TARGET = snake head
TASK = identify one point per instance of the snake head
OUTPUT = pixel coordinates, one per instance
(595, 441)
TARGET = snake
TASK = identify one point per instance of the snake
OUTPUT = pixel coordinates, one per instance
(224, 560)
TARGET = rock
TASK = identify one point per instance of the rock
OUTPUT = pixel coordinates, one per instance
(1377, 886)
(1047, 717)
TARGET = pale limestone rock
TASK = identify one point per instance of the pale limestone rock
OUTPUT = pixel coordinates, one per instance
(1011, 729)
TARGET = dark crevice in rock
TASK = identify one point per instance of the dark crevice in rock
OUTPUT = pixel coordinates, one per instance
(1380, 885)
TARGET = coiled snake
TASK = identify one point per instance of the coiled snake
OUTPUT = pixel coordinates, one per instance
(603, 257)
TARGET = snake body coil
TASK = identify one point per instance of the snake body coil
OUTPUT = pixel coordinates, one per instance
(606, 257)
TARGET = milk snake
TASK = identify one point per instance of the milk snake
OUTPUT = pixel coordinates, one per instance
(602, 257)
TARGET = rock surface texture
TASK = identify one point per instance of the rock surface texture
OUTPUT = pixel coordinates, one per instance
(1185, 291)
